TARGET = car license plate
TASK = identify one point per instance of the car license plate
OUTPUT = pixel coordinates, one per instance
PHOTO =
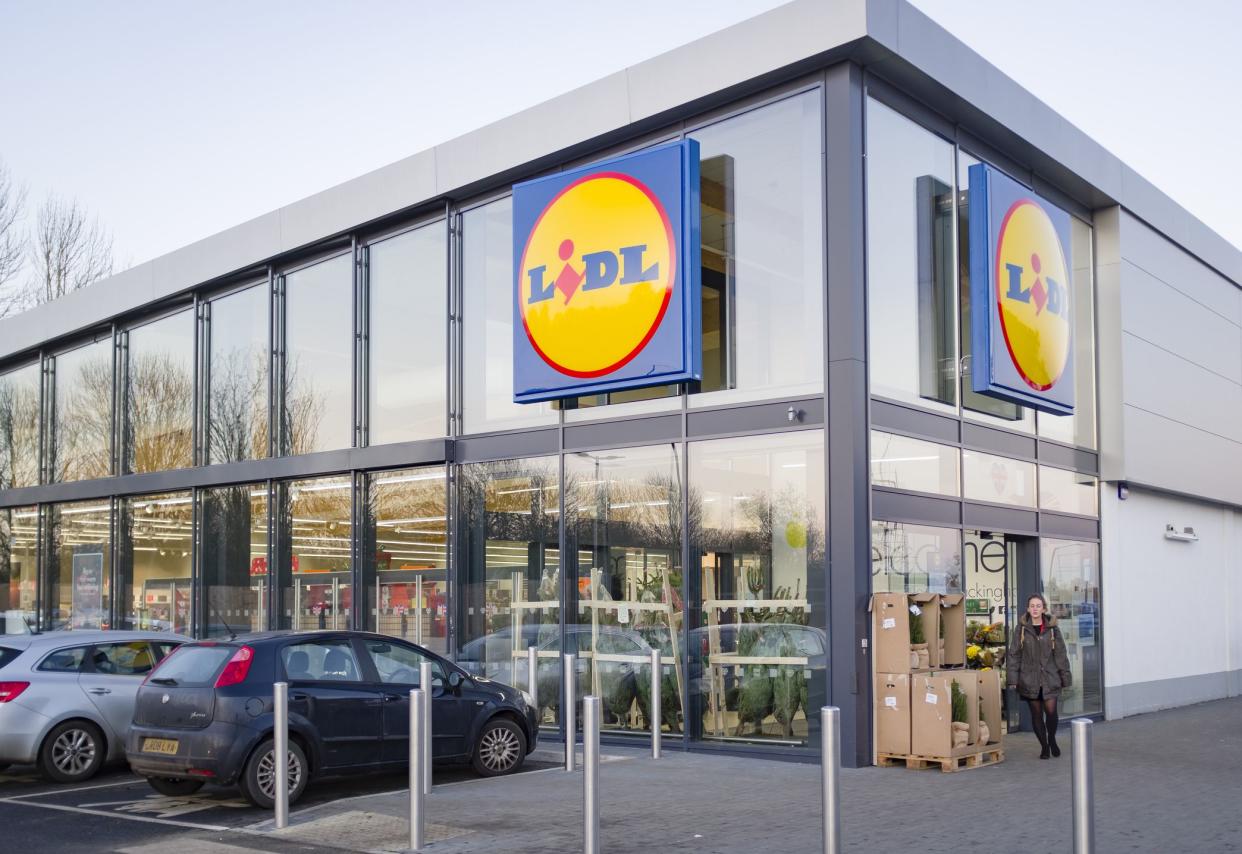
(167, 746)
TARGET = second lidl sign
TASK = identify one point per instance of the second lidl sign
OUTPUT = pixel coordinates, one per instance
(606, 276)
(1022, 340)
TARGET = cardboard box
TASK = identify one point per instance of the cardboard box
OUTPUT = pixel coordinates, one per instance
(892, 713)
(990, 690)
(931, 714)
(953, 618)
(890, 629)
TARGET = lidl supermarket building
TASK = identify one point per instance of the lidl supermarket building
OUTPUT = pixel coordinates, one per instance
(309, 419)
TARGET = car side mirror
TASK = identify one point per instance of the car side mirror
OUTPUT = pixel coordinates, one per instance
(454, 681)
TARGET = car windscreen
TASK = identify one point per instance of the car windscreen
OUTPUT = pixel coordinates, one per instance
(192, 665)
(7, 654)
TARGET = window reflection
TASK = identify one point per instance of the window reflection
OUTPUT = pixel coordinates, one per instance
(1068, 491)
(82, 425)
(408, 378)
(313, 558)
(19, 569)
(759, 653)
(406, 556)
(509, 580)
(899, 462)
(159, 392)
(319, 363)
(80, 565)
(237, 375)
(234, 544)
(154, 566)
(915, 558)
(1071, 584)
(19, 427)
(986, 477)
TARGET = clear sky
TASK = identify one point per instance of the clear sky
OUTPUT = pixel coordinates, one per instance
(172, 120)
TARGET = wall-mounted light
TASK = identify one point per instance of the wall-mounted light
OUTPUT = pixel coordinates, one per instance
(1123, 491)
(1183, 535)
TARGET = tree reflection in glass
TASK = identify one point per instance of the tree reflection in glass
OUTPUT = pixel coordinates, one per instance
(237, 377)
(159, 395)
(82, 426)
(19, 427)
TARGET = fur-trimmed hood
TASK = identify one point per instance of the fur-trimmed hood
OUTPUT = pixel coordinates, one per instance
(1049, 620)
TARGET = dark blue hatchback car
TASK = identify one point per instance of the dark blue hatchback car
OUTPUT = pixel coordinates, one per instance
(205, 713)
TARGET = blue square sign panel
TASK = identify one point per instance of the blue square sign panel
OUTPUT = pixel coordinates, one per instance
(1021, 298)
(606, 276)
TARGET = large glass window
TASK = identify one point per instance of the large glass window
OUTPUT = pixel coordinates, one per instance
(487, 312)
(159, 395)
(234, 561)
(405, 556)
(1068, 491)
(19, 427)
(509, 579)
(1001, 480)
(1071, 582)
(319, 357)
(626, 523)
(80, 565)
(313, 557)
(915, 558)
(407, 329)
(910, 284)
(82, 425)
(19, 569)
(154, 564)
(1079, 428)
(900, 462)
(761, 179)
(759, 653)
(237, 375)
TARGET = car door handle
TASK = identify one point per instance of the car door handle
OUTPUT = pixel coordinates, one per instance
(298, 695)
(392, 698)
(99, 691)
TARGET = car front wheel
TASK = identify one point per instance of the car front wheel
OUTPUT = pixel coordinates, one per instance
(175, 786)
(72, 752)
(258, 781)
(501, 748)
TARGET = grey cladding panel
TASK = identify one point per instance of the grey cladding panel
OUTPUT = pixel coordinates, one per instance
(903, 419)
(532, 443)
(1070, 527)
(986, 517)
(1069, 458)
(920, 509)
(637, 431)
(745, 419)
(998, 441)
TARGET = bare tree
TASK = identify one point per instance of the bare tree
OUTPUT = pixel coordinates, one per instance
(69, 251)
(12, 243)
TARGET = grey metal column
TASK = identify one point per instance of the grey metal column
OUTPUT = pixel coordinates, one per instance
(830, 725)
(280, 752)
(424, 674)
(657, 701)
(1083, 786)
(848, 476)
(417, 723)
(568, 715)
(590, 775)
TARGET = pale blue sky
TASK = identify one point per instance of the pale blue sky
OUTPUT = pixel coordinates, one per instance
(172, 120)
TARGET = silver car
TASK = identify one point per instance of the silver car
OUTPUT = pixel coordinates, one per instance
(67, 698)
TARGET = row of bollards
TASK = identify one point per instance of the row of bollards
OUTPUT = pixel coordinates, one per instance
(1082, 784)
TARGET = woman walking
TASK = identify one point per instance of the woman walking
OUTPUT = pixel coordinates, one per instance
(1039, 668)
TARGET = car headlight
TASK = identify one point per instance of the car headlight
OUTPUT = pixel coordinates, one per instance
(530, 701)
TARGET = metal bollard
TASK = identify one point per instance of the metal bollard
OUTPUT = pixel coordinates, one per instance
(424, 674)
(590, 775)
(830, 732)
(657, 702)
(417, 758)
(567, 709)
(532, 675)
(1082, 786)
(280, 752)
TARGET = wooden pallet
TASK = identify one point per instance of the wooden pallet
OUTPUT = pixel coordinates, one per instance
(979, 759)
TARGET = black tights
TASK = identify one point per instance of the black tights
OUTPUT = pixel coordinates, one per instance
(1044, 719)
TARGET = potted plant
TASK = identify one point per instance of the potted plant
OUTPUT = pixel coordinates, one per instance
(918, 644)
(961, 729)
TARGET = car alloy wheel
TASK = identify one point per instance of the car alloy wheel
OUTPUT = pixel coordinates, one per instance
(73, 752)
(266, 774)
(500, 748)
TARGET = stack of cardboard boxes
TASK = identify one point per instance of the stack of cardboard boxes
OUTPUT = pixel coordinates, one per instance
(913, 692)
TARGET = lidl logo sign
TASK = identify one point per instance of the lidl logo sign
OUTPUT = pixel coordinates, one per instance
(1021, 318)
(606, 283)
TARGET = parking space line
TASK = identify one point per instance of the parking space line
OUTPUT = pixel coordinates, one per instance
(129, 782)
(217, 828)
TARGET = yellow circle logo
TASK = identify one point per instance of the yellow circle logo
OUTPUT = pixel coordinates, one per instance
(1032, 294)
(597, 274)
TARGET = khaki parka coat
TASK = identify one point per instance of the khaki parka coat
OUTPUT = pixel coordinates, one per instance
(1037, 661)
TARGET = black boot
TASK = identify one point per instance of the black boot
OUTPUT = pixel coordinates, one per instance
(1052, 746)
(1043, 754)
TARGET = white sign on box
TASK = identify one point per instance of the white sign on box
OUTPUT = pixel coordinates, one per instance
(889, 623)
(915, 610)
(931, 698)
(890, 702)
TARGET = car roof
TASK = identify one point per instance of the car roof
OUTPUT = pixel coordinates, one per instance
(286, 634)
(82, 637)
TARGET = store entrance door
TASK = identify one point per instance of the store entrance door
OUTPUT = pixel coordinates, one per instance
(1001, 571)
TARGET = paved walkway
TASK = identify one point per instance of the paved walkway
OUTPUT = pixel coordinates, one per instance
(1165, 782)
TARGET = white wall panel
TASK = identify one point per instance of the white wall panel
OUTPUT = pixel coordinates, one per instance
(1166, 384)
(1167, 454)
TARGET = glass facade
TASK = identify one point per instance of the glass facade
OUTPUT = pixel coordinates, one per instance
(314, 553)
(318, 412)
(19, 427)
(233, 539)
(157, 426)
(19, 569)
(155, 586)
(81, 436)
(899, 462)
(909, 558)
(79, 564)
(1070, 576)
(237, 376)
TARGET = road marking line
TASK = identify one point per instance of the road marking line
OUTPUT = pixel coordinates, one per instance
(218, 828)
(71, 791)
